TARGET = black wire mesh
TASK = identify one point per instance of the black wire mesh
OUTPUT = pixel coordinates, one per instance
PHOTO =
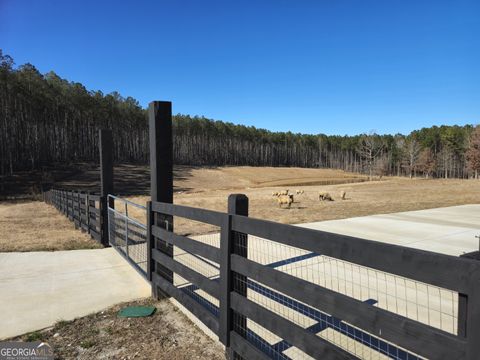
(203, 266)
(129, 238)
(425, 303)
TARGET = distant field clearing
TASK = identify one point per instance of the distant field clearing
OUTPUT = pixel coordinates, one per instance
(208, 188)
(31, 226)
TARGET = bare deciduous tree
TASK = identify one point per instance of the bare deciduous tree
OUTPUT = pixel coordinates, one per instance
(369, 148)
(382, 165)
(412, 150)
(473, 152)
(426, 162)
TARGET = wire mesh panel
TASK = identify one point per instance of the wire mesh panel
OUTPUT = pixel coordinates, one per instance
(425, 303)
(128, 236)
(422, 302)
(203, 266)
(191, 272)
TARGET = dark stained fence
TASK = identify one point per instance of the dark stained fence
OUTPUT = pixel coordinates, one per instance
(82, 208)
(283, 291)
(276, 291)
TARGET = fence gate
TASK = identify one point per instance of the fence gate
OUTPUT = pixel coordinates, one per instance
(127, 233)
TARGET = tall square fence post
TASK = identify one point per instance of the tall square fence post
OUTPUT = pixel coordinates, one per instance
(469, 311)
(106, 179)
(150, 241)
(232, 243)
(161, 179)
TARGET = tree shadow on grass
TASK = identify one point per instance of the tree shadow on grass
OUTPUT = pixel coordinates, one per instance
(129, 179)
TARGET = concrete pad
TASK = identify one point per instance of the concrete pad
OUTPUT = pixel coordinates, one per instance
(40, 288)
(450, 230)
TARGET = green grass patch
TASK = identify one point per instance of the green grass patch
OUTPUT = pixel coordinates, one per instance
(86, 344)
(34, 336)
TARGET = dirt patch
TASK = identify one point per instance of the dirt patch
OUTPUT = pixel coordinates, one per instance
(36, 226)
(168, 334)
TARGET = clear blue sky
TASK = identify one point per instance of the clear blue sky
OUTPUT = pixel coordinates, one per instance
(324, 66)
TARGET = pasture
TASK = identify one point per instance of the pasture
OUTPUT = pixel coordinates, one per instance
(34, 226)
(209, 189)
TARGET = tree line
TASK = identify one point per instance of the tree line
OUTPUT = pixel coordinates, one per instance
(46, 120)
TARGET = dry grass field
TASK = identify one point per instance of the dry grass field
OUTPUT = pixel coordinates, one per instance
(36, 226)
(209, 188)
(33, 226)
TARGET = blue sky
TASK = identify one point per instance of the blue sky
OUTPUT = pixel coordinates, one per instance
(325, 66)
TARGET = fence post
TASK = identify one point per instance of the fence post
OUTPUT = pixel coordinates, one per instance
(87, 211)
(473, 321)
(70, 205)
(75, 208)
(469, 312)
(82, 207)
(232, 242)
(161, 177)
(126, 229)
(106, 177)
(150, 242)
(226, 247)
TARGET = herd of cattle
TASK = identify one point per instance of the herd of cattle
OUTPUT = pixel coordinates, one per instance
(285, 198)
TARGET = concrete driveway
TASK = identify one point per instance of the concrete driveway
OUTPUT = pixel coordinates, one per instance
(40, 288)
(449, 230)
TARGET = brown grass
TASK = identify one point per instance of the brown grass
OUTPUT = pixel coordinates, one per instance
(241, 177)
(363, 198)
(36, 226)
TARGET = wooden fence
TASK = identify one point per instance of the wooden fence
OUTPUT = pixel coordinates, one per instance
(242, 277)
(85, 210)
(263, 303)
(412, 339)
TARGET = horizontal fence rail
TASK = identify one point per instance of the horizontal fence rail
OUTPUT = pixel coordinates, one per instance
(191, 264)
(84, 209)
(276, 291)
